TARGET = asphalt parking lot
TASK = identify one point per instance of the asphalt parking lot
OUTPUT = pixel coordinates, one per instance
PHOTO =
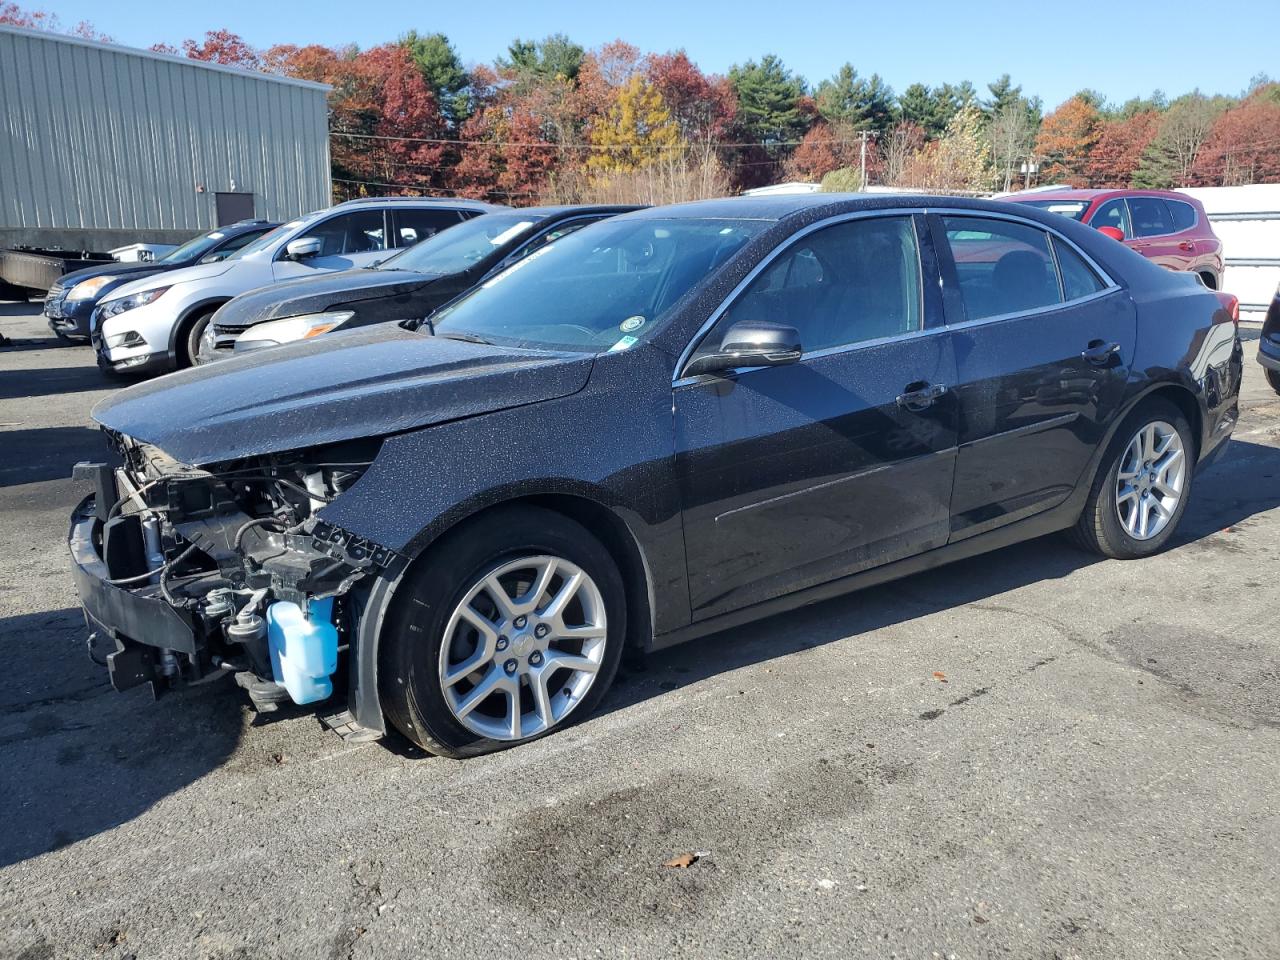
(1031, 754)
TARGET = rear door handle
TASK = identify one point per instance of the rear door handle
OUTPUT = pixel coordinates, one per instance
(1187, 245)
(1099, 352)
(921, 396)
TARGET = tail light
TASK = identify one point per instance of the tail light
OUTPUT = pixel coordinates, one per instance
(1230, 304)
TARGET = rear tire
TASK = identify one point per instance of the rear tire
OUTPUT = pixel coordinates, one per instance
(1142, 487)
(1273, 378)
(538, 681)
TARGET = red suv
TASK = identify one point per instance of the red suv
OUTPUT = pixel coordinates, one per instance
(1167, 227)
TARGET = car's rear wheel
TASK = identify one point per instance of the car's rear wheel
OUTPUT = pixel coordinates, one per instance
(1273, 378)
(509, 629)
(189, 340)
(1142, 488)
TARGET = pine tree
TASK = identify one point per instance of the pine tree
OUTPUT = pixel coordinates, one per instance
(768, 100)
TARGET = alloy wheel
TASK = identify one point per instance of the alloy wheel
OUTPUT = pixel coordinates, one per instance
(1151, 480)
(523, 647)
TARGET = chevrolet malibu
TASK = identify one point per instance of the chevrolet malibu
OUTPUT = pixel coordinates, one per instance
(663, 425)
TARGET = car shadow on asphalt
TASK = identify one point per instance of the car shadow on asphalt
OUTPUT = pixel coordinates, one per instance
(1243, 483)
(47, 381)
(81, 759)
(48, 453)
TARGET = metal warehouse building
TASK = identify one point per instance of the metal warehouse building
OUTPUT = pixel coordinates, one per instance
(102, 145)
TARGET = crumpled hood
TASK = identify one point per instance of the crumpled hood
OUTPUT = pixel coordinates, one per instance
(366, 382)
(200, 271)
(293, 298)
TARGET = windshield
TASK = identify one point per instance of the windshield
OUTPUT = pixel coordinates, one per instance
(455, 249)
(1068, 208)
(270, 237)
(606, 287)
(195, 248)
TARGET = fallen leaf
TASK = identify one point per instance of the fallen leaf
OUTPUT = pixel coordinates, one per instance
(977, 918)
(939, 675)
(680, 861)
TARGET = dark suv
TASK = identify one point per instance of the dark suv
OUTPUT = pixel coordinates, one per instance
(1168, 227)
(71, 300)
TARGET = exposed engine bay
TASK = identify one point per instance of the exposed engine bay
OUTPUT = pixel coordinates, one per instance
(224, 568)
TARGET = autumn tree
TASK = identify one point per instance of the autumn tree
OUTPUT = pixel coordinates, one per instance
(1171, 155)
(225, 47)
(959, 161)
(1119, 149)
(1243, 145)
(634, 131)
(703, 106)
(14, 15)
(823, 149)
(1065, 140)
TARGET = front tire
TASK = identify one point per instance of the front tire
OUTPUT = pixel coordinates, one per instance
(1273, 378)
(509, 629)
(1142, 487)
(189, 341)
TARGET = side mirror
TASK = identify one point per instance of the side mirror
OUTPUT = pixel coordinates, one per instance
(1115, 233)
(213, 257)
(750, 344)
(303, 248)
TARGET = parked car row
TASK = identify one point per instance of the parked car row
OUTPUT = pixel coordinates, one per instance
(156, 323)
(655, 426)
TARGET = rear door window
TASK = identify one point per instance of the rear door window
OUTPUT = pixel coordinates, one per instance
(1184, 215)
(360, 232)
(415, 225)
(1003, 267)
(1150, 217)
(1113, 213)
(1078, 278)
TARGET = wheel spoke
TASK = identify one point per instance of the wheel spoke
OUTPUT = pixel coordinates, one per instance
(541, 584)
(541, 696)
(498, 593)
(1127, 492)
(1165, 490)
(1149, 441)
(568, 590)
(588, 632)
(513, 711)
(569, 661)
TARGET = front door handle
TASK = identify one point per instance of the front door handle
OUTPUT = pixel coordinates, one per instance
(1099, 352)
(921, 395)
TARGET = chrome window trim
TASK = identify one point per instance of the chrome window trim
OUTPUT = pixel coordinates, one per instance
(1110, 285)
(696, 340)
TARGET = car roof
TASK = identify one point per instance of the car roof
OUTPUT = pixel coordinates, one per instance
(1069, 193)
(463, 203)
(578, 209)
(807, 206)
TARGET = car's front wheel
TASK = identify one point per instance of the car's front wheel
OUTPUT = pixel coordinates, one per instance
(1143, 485)
(510, 628)
(189, 341)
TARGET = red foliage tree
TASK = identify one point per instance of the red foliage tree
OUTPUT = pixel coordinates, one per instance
(1119, 149)
(1243, 146)
(704, 106)
(223, 46)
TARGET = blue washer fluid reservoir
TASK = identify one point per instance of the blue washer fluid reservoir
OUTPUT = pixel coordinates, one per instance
(304, 651)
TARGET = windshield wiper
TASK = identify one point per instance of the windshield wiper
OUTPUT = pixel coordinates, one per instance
(460, 335)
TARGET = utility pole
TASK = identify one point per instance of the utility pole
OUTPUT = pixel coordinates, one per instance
(862, 183)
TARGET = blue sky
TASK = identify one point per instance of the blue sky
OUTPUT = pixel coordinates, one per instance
(1121, 48)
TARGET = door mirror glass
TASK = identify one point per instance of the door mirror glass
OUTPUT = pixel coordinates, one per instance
(303, 248)
(750, 344)
(1115, 233)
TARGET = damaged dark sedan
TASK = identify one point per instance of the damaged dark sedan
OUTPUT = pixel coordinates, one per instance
(663, 425)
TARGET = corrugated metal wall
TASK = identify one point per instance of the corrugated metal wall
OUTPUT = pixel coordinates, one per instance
(104, 138)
